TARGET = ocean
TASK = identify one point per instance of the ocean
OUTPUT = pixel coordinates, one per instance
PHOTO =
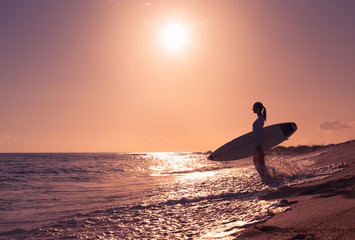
(142, 195)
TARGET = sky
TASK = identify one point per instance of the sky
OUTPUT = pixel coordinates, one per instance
(106, 76)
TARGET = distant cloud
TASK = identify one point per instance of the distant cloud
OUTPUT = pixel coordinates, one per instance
(109, 1)
(333, 125)
(4, 136)
(147, 4)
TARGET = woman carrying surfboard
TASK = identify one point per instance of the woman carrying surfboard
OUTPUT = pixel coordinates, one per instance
(259, 157)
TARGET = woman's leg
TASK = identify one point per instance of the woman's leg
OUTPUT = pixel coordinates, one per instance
(259, 163)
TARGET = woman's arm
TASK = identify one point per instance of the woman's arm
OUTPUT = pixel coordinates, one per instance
(259, 133)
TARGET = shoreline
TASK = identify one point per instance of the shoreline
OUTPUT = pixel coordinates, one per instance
(323, 209)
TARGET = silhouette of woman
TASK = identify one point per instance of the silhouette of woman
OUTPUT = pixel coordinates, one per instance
(259, 157)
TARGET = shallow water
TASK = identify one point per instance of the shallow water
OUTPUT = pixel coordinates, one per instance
(141, 195)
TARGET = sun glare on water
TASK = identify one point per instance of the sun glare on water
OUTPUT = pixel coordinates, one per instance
(174, 36)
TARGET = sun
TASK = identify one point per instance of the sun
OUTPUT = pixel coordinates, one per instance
(174, 36)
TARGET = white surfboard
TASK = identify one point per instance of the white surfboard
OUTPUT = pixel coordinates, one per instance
(245, 146)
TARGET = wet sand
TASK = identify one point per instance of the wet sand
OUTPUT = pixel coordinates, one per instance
(323, 209)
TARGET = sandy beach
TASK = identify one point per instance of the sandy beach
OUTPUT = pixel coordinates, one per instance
(323, 209)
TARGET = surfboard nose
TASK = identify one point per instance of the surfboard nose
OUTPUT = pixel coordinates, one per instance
(288, 128)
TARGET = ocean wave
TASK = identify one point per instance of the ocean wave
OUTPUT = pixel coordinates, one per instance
(15, 231)
(203, 199)
(11, 179)
(31, 172)
(172, 219)
(194, 170)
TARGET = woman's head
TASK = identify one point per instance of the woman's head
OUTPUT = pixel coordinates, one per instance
(259, 108)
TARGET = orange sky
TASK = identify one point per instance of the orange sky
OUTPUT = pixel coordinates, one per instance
(94, 76)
